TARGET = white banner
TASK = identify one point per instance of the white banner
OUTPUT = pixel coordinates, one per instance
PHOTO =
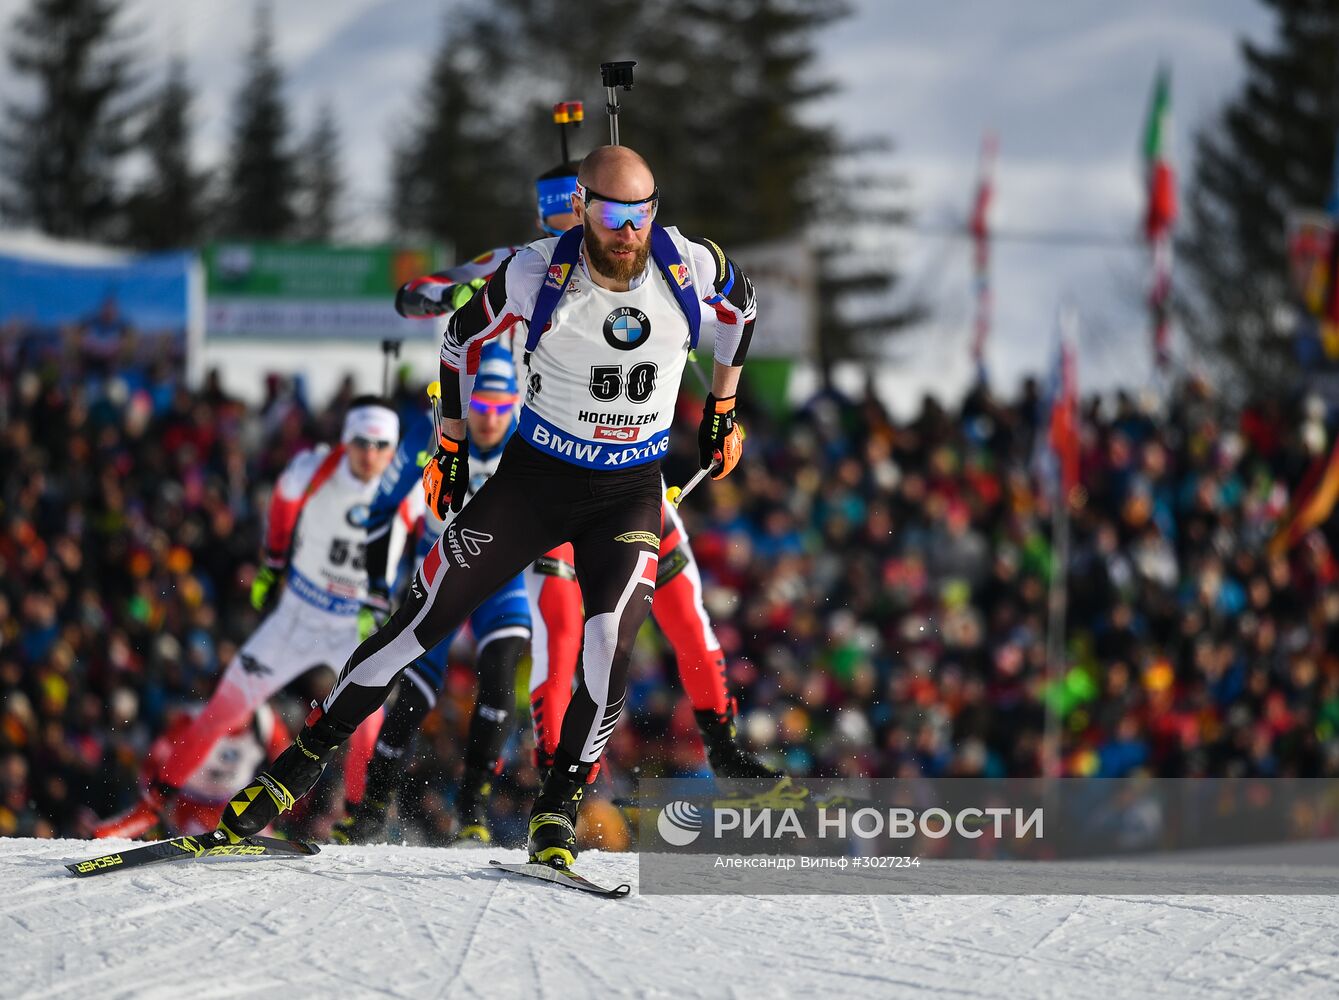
(296, 319)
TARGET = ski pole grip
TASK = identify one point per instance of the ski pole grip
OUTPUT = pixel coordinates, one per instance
(435, 395)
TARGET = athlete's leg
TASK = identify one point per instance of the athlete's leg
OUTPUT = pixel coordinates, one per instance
(501, 627)
(502, 623)
(555, 605)
(494, 706)
(496, 701)
(415, 697)
(616, 559)
(261, 667)
(508, 523)
(679, 612)
(266, 663)
(492, 723)
(617, 578)
(359, 755)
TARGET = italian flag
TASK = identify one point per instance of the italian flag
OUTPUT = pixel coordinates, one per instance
(1161, 211)
(1158, 168)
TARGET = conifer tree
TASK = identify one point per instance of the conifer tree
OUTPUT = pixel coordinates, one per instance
(60, 154)
(1270, 151)
(322, 182)
(166, 211)
(258, 202)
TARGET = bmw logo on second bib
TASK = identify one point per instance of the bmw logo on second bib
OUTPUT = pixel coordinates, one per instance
(626, 328)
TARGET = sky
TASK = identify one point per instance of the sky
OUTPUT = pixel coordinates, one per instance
(1064, 85)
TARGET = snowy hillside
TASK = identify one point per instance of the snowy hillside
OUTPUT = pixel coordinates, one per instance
(415, 922)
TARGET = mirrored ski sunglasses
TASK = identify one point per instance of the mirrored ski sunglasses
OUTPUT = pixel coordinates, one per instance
(614, 215)
(370, 445)
(495, 407)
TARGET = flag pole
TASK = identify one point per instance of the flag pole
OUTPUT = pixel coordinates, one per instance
(1058, 595)
(979, 226)
(1055, 630)
(1160, 216)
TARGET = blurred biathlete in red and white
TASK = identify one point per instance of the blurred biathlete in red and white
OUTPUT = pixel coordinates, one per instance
(238, 754)
(555, 597)
(315, 545)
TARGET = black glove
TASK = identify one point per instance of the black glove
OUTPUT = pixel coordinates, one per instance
(719, 440)
(446, 478)
(420, 299)
(413, 304)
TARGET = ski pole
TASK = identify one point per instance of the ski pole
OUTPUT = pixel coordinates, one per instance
(614, 75)
(389, 347)
(435, 395)
(676, 494)
(696, 365)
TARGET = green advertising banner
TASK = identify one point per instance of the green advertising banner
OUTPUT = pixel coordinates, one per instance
(309, 292)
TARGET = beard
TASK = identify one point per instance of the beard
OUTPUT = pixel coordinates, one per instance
(618, 268)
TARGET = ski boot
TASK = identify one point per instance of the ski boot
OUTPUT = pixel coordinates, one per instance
(553, 835)
(725, 756)
(145, 817)
(365, 821)
(736, 769)
(476, 787)
(276, 789)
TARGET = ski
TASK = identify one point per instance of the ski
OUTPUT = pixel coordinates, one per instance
(206, 845)
(560, 876)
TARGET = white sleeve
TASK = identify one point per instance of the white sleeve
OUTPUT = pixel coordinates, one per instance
(728, 292)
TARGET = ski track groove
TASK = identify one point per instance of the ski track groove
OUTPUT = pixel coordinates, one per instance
(110, 943)
(600, 979)
(1020, 959)
(889, 947)
(534, 972)
(454, 979)
(428, 925)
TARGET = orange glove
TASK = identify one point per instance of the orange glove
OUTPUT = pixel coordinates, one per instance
(446, 477)
(719, 440)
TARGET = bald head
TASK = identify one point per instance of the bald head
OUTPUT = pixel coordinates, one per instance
(618, 173)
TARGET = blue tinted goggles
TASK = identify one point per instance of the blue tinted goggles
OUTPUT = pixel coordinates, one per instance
(493, 407)
(614, 215)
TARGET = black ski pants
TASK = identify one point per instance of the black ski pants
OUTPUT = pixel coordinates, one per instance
(531, 504)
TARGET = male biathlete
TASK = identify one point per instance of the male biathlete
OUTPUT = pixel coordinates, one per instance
(551, 583)
(612, 309)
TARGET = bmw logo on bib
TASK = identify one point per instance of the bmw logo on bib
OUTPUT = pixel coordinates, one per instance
(626, 328)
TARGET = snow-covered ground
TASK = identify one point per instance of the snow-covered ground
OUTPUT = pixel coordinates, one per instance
(417, 922)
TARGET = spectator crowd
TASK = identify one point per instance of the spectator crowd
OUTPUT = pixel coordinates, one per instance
(880, 589)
